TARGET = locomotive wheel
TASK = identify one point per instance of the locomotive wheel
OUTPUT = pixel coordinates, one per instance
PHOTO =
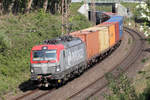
(65, 80)
(80, 70)
(85, 67)
(34, 82)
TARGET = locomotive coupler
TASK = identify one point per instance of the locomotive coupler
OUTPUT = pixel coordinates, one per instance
(45, 83)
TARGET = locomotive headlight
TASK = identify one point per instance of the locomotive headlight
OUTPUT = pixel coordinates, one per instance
(32, 71)
(58, 68)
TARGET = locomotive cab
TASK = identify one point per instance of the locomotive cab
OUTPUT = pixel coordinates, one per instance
(45, 61)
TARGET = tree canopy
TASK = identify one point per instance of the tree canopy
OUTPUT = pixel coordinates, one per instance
(143, 12)
(25, 6)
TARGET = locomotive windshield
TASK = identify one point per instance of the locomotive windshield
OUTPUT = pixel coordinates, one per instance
(42, 55)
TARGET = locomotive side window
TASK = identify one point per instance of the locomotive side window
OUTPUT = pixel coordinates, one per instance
(64, 54)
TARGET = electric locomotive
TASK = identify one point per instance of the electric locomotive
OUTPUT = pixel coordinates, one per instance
(56, 60)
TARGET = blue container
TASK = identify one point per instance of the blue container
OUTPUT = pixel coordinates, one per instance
(117, 19)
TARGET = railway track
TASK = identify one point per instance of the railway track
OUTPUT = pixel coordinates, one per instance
(42, 95)
(102, 82)
(32, 93)
(125, 64)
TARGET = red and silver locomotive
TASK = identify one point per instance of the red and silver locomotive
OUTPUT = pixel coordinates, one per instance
(57, 60)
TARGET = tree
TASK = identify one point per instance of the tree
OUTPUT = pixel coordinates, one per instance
(1, 9)
(45, 5)
(143, 10)
(22, 6)
(29, 6)
(10, 7)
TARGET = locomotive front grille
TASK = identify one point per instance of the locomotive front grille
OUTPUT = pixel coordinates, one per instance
(51, 69)
(43, 68)
(37, 70)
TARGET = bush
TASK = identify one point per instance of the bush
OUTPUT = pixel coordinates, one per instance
(121, 88)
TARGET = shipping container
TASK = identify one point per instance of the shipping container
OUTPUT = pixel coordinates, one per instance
(91, 40)
(95, 28)
(120, 20)
(111, 28)
(116, 29)
(103, 38)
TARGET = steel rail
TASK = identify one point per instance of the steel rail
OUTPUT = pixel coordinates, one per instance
(43, 94)
(25, 95)
(33, 92)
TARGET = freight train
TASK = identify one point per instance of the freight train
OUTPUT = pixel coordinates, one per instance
(57, 60)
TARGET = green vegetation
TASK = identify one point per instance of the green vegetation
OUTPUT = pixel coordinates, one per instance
(131, 20)
(131, 6)
(78, 20)
(123, 89)
(17, 36)
(103, 8)
(25, 6)
(144, 60)
(141, 17)
(129, 41)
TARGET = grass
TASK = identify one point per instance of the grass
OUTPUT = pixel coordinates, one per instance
(129, 41)
(77, 20)
(17, 36)
(103, 8)
(142, 79)
(144, 60)
(131, 6)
